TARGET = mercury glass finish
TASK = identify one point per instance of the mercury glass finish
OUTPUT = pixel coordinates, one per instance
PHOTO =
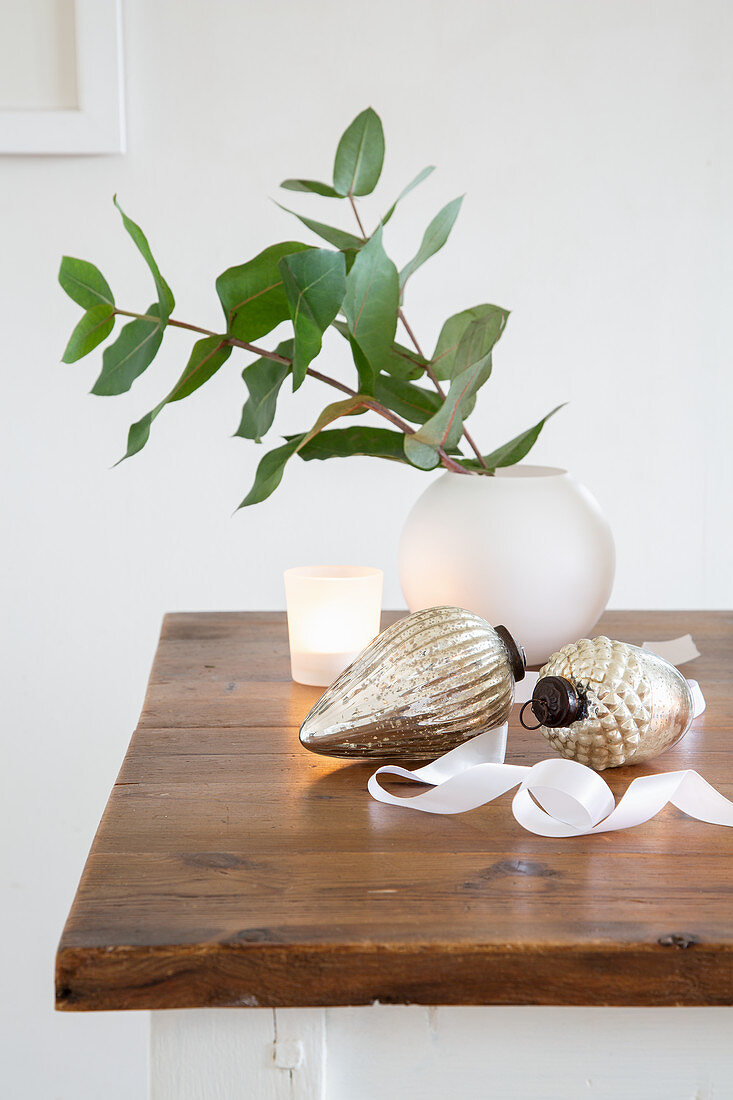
(637, 704)
(429, 682)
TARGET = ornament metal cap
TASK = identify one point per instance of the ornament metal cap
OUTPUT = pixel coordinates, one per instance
(517, 656)
(554, 703)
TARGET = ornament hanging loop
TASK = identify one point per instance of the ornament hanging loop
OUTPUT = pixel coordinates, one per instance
(532, 703)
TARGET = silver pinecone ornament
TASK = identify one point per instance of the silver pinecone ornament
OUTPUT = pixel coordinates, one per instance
(429, 682)
(606, 703)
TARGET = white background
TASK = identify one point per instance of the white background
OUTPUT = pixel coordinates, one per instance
(593, 141)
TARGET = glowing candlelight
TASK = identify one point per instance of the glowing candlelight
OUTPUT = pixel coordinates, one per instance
(333, 613)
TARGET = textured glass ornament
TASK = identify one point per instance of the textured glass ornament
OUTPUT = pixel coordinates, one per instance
(606, 703)
(426, 684)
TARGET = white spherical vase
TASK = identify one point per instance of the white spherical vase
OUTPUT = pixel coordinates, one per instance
(528, 548)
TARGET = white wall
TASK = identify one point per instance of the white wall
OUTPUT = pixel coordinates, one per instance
(593, 141)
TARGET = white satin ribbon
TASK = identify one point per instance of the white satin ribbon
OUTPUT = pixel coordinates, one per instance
(556, 797)
(678, 651)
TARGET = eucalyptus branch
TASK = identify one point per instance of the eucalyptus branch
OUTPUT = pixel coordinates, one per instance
(451, 464)
(312, 288)
(381, 410)
(432, 376)
(330, 381)
(170, 321)
(263, 353)
(230, 340)
(362, 230)
(428, 366)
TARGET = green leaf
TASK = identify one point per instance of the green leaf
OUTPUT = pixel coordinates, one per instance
(372, 300)
(406, 191)
(365, 371)
(263, 379)
(84, 283)
(94, 327)
(132, 352)
(472, 367)
(359, 440)
(475, 346)
(400, 362)
(312, 186)
(270, 472)
(206, 357)
(516, 449)
(360, 155)
(434, 238)
(166, 300)
(139, 433)
(350, 406)
(411, 402)
(315, 284)
(490, 321)
(422, 455)
(253, 296)
(350, 255)
(339, 238)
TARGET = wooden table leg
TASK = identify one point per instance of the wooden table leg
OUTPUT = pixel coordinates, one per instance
(252, 1054)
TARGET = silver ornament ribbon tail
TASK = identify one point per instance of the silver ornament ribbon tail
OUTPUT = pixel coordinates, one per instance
(556, 797)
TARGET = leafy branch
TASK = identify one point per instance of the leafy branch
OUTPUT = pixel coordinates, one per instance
(352, 287)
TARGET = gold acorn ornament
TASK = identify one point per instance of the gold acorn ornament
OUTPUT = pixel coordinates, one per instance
(423, 686)
(606, 703)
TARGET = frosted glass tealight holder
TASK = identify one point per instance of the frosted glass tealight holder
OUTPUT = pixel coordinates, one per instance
(334, 611)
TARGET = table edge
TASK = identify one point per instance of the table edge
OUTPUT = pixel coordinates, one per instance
(677, 972)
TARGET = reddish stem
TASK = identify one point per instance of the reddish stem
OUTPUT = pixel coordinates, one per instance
(362, 230)
(431, 375)
(369, 403)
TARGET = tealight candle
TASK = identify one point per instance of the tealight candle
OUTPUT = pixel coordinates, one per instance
(333, 613)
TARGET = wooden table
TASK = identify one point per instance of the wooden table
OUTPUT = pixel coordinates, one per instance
(232, 868)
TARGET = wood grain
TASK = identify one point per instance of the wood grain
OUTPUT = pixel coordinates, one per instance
(232, 868)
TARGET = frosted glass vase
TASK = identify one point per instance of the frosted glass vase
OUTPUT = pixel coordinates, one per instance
(529, 548)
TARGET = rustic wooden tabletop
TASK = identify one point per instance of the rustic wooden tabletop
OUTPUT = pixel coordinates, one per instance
(233, 868)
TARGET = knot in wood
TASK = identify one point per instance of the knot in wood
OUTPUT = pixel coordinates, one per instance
(682, 940)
